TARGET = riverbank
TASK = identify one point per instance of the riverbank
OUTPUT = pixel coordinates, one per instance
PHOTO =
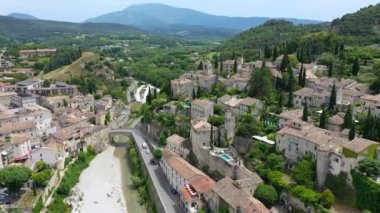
(100, 186)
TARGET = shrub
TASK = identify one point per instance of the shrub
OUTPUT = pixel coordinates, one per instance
(157, 153)
(266, 194)
(275, 179)
(326, 198)
(304, 172)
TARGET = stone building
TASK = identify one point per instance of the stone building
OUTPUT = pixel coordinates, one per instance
(201, 108)
(21, 146)
(289, 115)
(178, 145)
(226, 194)
(183, 87)
(313, 97)
(298, 139)
(369, 102)
(192, 184)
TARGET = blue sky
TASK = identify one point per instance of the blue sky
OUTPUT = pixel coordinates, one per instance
(79, 10)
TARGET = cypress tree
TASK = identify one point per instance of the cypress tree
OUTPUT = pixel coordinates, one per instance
(212, 138)
(322, 119)
(221, 66)
(200, 66)
(285, 63)
(300, 75)
(216, 63)
(235, 66)
(275, 53)
(351, 133)
(281, 99)
(336, 52)
(263, 65)
(154, 93)
(194, 95)
(304, 77)
(149, 97)
(348, 117)
(198, 92)
(290, 99)
(290, 79)
(233, 55)
(355, 67)
(367, 124)
(332, 101)
(330, 68)
(305, 113)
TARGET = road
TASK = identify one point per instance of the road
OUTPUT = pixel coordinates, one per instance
(169, 201)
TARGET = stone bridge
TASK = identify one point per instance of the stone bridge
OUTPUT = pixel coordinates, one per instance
(114, 132)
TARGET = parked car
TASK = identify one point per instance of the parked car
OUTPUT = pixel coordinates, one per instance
(174, 192)
(152, 161)
(147, 151)
(144, 146)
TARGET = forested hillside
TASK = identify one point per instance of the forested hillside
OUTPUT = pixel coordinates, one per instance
(37, 30)
(365, 22)
(360, 28)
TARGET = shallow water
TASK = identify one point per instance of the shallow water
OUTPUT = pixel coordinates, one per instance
(130, 194)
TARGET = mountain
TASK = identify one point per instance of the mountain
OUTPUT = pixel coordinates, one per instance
(23, 16)
(365, 22)
(38, 30)
(159, 16)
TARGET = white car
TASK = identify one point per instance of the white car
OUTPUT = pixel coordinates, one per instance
(147, 151)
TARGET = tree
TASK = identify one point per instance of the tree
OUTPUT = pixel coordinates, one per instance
(355, 67)
(304, 77)
(14, 177)
(260, 83)
(300, 76)
(194, 95)
(107, 119)
(200, 66)
(369, 167)
(305, 113)
(332, 101)
(46, 83)
(275, 53)
(304, 172)
(193, 160)
(348, 117)
(162, 140)
(216, 63)
(326, 198)
(290, 99)
(235, 66)
(266, 194)
(198, 92)
(275, 162)
(157, 154)
(322, 120)
(275, 179)
(149, 97)
(212, 138)
(330, 68)
(351, 133)
(284, 63)
(216, 120)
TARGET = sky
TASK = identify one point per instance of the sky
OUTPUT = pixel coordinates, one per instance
(80, 10)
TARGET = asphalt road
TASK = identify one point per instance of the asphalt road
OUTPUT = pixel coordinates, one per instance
(170, 201)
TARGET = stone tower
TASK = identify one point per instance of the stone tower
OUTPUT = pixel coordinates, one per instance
(230, 126)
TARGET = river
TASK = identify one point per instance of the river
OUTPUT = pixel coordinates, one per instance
(131, 195)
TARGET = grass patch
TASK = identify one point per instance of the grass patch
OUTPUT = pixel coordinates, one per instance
(73, 70)
(135, 107)
(70, 179)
